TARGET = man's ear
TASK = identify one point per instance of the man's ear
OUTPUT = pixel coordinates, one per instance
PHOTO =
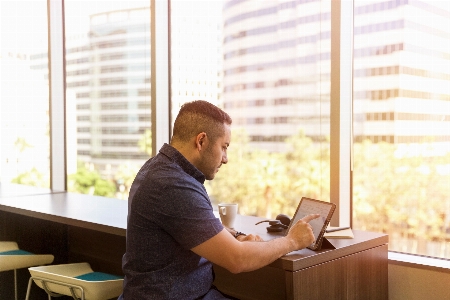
(200, 140)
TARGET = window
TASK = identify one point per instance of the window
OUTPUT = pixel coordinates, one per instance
(24, 106)
(401, 177)
(101, 47)
(268, 55)
(269, 66)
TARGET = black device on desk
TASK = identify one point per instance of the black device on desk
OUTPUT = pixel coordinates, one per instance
(279, 224)
(305, 207)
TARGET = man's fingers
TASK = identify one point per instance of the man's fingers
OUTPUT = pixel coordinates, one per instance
(308, 218)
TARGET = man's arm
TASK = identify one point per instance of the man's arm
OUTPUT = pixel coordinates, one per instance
(224, 250)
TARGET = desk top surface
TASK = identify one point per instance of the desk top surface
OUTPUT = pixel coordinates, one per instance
(301, 259)
(110, 216)
(92, 212)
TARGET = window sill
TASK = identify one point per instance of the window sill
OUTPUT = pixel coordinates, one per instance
(419, 261)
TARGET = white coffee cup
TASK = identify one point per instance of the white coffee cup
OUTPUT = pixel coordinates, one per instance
(228, 213)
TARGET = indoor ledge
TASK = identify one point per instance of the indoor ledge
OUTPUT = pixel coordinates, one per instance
(419, 261)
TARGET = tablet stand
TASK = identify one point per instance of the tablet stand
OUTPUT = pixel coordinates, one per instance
(326, 244)
(323, 244)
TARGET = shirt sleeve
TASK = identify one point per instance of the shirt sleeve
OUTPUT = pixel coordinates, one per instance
(188, 217)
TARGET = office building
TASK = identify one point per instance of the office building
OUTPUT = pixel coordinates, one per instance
(108, 79)
(277, 70)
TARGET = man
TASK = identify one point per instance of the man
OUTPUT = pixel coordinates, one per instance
(173, 236)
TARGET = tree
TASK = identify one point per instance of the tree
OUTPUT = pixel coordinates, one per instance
(308, 169)
(124, 177)
(145, 142)
(21, 144)
(265, 183)
(398, 191)
(87, 181)
(233, 182)
(32, 178)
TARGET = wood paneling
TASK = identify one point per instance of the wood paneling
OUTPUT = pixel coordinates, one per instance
(361, 275)
(101, 250)
(263, 284)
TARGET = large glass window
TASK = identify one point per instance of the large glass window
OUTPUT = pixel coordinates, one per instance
(108, 94)
(401, 182)
(24, 105)
(266, 63)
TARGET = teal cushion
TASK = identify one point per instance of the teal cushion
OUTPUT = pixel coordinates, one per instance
(16, 252)
(98, 276)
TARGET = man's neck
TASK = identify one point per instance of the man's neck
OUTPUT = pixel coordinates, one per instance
(187, 149)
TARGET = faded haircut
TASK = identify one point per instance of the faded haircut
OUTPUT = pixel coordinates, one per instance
(200, 116)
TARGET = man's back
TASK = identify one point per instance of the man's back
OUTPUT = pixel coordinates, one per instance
(169, 213)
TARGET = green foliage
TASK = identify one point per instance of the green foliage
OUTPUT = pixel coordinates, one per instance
(400, 191)
(32, 178)
(395, 189)
(265, 183)
(21, 144)
(124, 177)
(86, 181)
(308, 170)
(145, 142)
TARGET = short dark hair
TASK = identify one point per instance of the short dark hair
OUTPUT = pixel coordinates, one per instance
(200, 116)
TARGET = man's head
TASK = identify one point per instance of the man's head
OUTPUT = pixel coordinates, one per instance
(199, 116)
(202, 134)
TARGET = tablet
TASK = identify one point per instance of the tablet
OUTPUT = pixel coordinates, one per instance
(311, 206)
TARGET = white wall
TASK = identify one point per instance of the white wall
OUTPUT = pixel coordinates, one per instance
(409, 283)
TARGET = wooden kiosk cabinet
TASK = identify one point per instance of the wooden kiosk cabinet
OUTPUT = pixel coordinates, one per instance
(356, 269)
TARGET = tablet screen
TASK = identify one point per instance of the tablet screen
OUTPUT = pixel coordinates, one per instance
(310, 206)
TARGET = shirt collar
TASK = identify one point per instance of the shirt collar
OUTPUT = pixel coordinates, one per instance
(178, 158)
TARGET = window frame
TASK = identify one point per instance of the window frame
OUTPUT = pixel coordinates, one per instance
(57, 95)
(341, 114)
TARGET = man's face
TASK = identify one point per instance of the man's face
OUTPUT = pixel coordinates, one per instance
(215, 154)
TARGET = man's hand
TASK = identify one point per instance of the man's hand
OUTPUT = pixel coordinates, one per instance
(301, 234)
(250, 238)
(236, 256)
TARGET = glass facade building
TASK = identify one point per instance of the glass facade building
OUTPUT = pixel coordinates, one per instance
(277, 68)
(108, 89)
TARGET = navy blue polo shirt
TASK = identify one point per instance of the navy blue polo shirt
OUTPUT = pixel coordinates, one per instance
(169, 213)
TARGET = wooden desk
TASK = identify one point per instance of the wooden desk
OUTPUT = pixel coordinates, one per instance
(72, 227)
(356, 269)
(85, 211)
(77, 228)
